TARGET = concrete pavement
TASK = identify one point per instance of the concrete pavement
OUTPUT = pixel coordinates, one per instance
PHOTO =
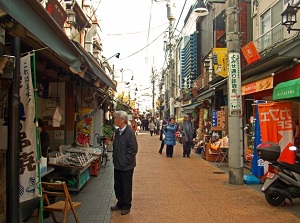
(189, 190)
(177, 190)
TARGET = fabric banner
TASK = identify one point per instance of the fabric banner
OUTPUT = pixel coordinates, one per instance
(28, 166)
(84, 127)
(276, 126)
(257, 165)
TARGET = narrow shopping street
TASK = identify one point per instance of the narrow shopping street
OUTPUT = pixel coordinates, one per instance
(189, 190)
(177, 190)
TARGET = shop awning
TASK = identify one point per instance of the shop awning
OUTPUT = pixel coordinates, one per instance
(190, 109)
(284, 53)
(43, 26)
(287, 90)
(206, 94)
(94, 67)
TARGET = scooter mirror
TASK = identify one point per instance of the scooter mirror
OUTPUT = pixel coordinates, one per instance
(292, 148)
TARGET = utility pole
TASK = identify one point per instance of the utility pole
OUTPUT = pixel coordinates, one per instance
(153, 90)
(234, 93)
(171, 19)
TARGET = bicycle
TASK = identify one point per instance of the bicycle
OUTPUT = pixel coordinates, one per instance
(104, 153)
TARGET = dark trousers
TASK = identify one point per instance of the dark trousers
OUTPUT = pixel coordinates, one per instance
(187, 148)
(161, 146)
(151, 133)
(123, 188)
(169, 150)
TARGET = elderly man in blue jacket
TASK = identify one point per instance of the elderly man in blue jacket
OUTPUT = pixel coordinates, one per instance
(124, 152)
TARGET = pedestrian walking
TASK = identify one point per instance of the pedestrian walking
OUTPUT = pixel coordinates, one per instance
(151, 127)
(169, 131)
(162, 137)
(187, 130)
(125, 148)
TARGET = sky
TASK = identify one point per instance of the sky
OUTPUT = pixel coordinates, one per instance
(125, 26)
(124, 29)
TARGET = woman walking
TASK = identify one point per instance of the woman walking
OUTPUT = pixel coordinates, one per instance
(169, 131)
(151, 127)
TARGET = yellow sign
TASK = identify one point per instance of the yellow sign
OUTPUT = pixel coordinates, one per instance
(220, 64)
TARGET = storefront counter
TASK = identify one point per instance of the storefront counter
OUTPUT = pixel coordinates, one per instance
(75, 176)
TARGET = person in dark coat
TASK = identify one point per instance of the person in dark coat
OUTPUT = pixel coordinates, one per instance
(187, 130)
(125, 148)
(44, 139)
(161, 137)
(169, 131)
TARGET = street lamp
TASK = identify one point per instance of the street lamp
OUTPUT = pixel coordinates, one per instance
(200, 9)
(117, 55)
(289, 17)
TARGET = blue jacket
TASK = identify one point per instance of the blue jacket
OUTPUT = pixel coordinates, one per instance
(169, 131)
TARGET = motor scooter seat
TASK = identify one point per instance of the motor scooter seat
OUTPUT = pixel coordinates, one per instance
(293, 167)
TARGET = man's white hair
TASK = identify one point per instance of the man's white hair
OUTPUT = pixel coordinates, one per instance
(123, 115)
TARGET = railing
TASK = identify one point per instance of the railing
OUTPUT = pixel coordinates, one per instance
(269, 38)
(201, 82)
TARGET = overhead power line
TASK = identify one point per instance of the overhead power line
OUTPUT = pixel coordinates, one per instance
(144, 46)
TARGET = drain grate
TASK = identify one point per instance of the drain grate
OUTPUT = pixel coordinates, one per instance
(219, 172)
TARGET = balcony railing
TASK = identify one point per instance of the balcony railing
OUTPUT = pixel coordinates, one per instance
(269, 38)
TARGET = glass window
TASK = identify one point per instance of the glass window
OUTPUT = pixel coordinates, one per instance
(266, 21)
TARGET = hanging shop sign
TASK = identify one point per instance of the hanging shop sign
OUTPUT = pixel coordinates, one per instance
(186, 103)
(84, 127)
(250, 53)
(276, 126)
(28, 166)
(57, 12)
(220, 61)
(260, 85)
(234, 85)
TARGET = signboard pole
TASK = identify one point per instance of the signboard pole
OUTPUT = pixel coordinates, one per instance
(234, 93)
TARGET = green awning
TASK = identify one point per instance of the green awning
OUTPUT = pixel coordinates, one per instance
(190, 108)
(287, 90)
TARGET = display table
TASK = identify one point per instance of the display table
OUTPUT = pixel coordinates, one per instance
(222, 153)
(75, 176)
(210, 154)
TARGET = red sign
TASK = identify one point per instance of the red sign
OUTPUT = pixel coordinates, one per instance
(57, 12)
(250, 53)
(276, 126)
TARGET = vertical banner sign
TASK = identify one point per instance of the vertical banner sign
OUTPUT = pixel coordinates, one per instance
(27, 133)
(276, 126)
(214, 120)
(234, 84)
(220, 66)
(84, 126)
(257, 165)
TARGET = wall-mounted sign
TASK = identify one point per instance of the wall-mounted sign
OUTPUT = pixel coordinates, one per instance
(250, 53)
(59, 134)
(234, 84)
(260, 85)
(220, 66)
(57, 12)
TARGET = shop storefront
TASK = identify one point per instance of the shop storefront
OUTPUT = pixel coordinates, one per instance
(73, 98)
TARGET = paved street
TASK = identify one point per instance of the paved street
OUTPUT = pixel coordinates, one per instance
(178, 190)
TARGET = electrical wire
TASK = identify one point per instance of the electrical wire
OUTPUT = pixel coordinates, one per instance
(180, 14)
(144, 46)
(150, 16)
